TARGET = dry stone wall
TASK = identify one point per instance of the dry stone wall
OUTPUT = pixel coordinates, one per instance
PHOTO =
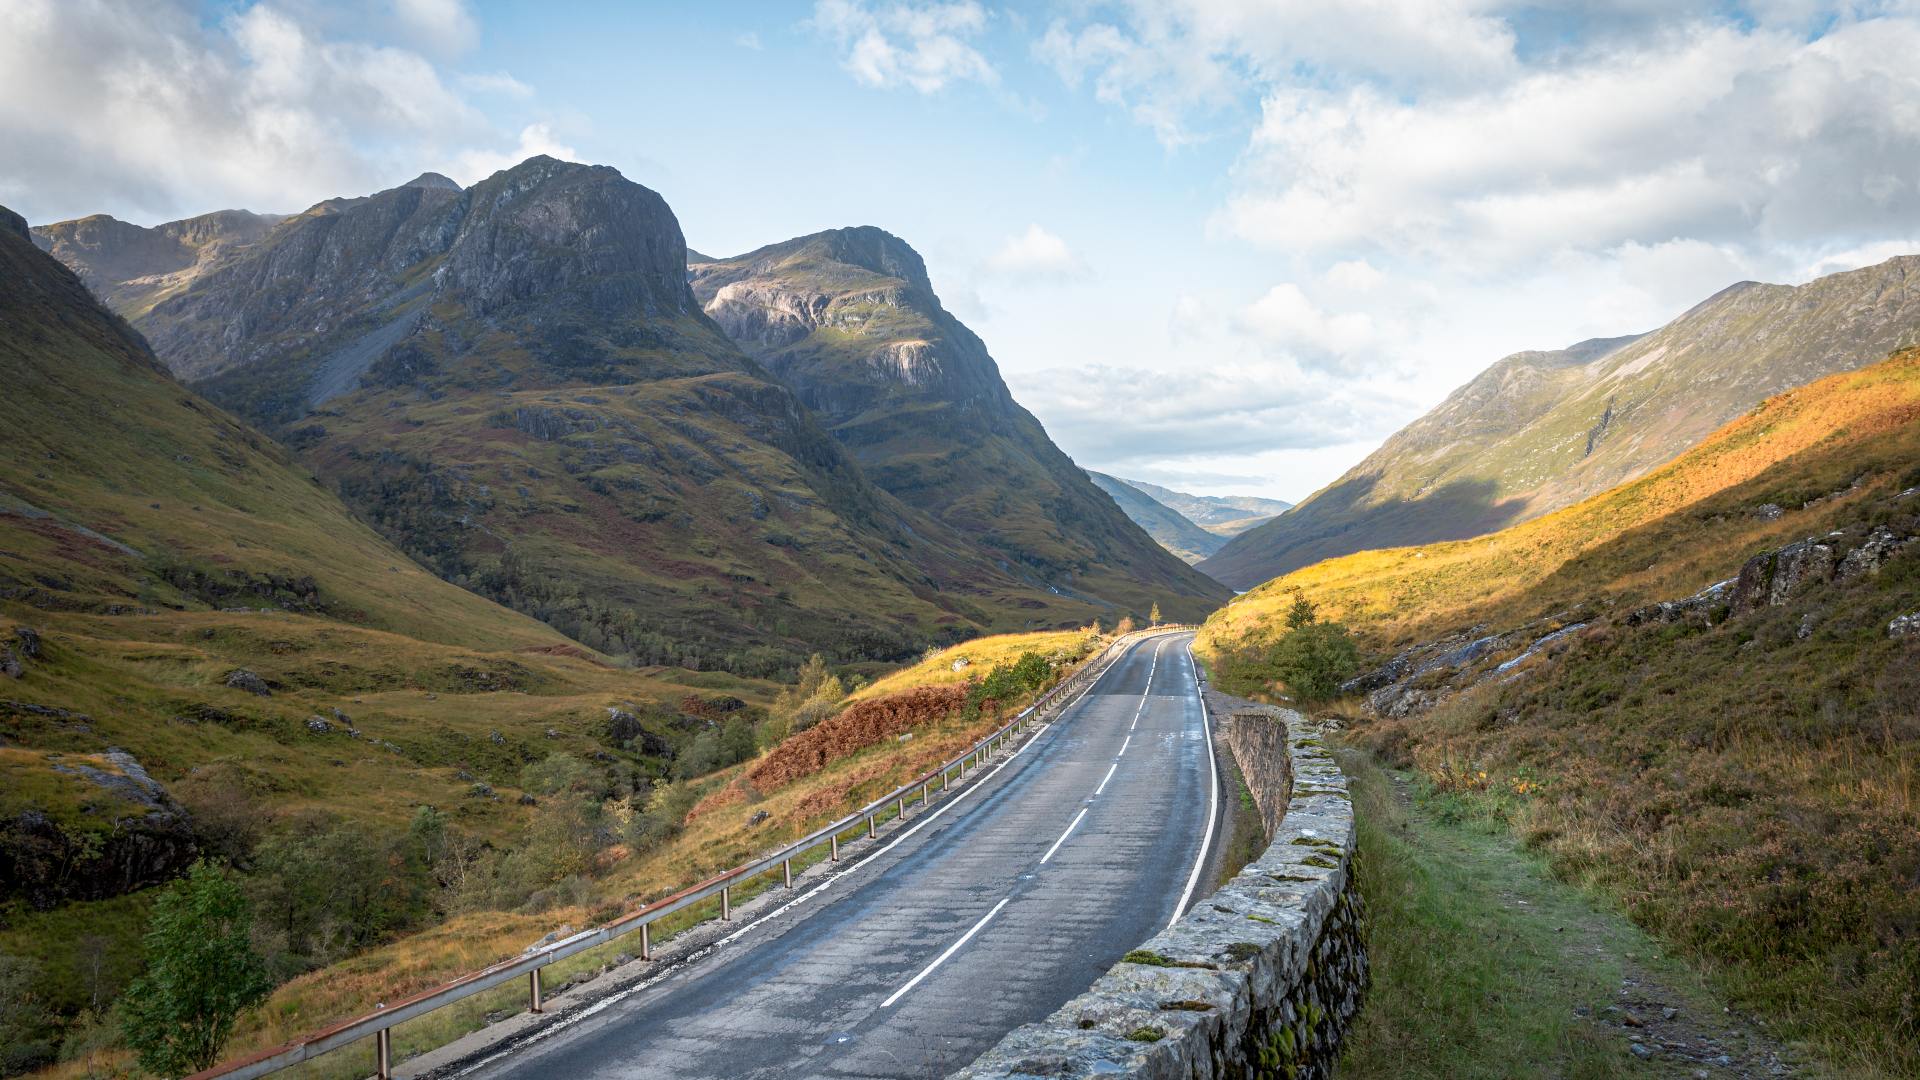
(1258, 980)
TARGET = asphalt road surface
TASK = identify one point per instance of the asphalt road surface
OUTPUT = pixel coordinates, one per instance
(988, 910)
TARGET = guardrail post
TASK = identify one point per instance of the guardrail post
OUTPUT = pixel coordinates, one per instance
(943, 779)
(646, 941)
(834, 843)
(383, 1054)
(726, 902)
(870, 831)
(786, 866)
(903, 808)
(533, 989)
(923, 794)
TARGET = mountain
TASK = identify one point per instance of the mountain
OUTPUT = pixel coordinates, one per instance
(1698, 692)
(201, 646)
(1222, 515)
(132, 267)
(849, 319)
(514, 383)
(1542, 430)
(1168, 527)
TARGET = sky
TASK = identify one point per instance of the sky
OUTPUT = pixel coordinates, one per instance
(1223, 245)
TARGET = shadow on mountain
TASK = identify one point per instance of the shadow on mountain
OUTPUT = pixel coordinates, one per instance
(1342, 520)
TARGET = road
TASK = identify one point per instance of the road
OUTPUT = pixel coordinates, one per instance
(979, 914)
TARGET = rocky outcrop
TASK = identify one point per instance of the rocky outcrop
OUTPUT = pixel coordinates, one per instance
(242, 679)
(129, 834)
(1261, 978)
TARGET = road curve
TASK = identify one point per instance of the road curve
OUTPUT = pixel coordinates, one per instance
(967, 922)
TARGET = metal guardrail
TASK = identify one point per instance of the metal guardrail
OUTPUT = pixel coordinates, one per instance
(380, 1023)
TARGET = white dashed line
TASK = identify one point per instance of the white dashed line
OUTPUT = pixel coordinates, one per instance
(942, 958)
(1063, 836)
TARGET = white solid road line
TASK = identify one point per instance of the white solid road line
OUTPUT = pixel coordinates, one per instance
(1063, 836)
(942, 958)
(1213, 794)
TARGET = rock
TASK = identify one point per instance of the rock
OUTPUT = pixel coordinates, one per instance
(345, 720)
(1768, 512)
(759, 816)
(1641, 1050)
(29, 640)
(481, 790)
(552, 734)
(1771, 578)
(10, 664)
(1807, 624)
(1669, 1013)
(528, 800)
(242, 679)
(318, 725)
(496, 738)
(1879, 546)
(1905, 626)
(905, 736)
(960, 664)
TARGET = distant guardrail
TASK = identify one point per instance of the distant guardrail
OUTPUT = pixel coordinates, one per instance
(380, 1023)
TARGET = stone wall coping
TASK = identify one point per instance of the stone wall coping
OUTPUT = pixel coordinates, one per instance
(1188, 995)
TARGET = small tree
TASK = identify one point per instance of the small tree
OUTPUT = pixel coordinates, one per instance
(202, 973)
(1302, 613)
(1153, 617)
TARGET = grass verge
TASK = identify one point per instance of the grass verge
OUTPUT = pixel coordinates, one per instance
(1486, 966)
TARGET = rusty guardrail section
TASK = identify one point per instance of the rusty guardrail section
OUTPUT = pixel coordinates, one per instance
(380, 1023)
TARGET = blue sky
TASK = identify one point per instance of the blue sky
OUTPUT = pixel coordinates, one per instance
(1225, 245)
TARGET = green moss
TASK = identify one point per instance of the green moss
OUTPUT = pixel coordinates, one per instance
(1146, 1034)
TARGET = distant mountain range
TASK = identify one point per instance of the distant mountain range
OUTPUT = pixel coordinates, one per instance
(1191, 526)
(516, 384)
(1538, 431)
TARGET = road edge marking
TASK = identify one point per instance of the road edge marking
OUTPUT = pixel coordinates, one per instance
(1213, 793)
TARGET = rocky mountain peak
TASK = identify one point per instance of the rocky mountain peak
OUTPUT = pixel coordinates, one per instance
(433, 180)
(875, 249)
(14, 223)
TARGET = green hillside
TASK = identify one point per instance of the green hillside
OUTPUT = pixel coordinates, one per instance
(1695, 692)
(201, 650)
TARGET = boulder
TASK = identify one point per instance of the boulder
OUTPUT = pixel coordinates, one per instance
(28, 642)
(1879, 546)
(318, 725)
(1905, 626)
(242, 679)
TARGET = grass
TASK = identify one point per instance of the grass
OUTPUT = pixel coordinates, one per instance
(1746, 787)
(1483, 965)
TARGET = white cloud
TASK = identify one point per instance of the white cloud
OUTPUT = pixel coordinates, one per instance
(146, 108)
(1286, 318)
(535, 139)
(443, 25)
(922, 45)
(1712, 133)
(1354, 276)
(496, 82)
(1035, 253)
(749, 40)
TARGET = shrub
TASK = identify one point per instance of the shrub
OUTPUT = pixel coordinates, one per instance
(202, 973)
(1314, 659)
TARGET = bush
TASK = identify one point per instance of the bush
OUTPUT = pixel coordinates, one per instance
(1314, 659)
(202, 973)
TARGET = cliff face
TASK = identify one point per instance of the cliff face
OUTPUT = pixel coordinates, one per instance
(849, 319)
(515, 382)
(1539, 431)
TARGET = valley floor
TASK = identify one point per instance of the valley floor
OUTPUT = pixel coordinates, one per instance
(1485, 965)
